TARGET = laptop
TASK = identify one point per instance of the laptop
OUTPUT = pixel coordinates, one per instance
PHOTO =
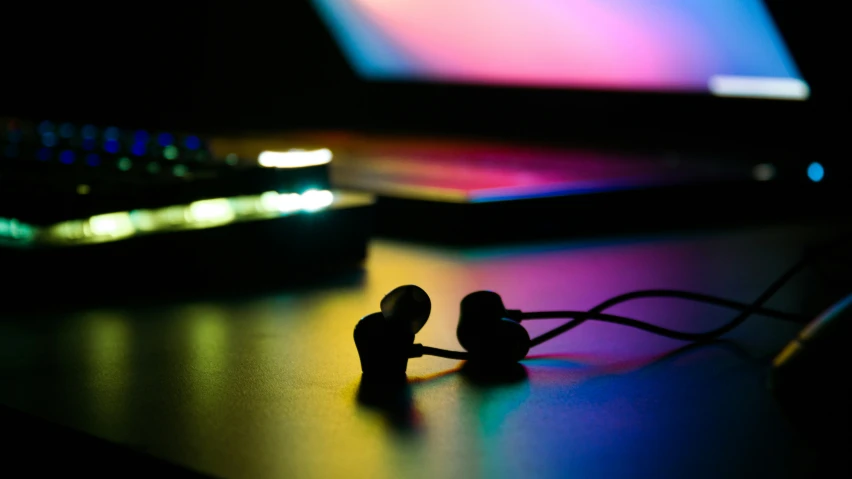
(573, 102)
(716, 84)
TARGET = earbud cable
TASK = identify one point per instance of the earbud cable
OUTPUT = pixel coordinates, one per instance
(746, 311)
(420, 350)
(597, 313)
(674, 293)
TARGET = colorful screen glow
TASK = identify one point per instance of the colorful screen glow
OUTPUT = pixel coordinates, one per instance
(723, 47)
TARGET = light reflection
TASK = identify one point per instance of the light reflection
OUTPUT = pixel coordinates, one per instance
(291, 371)
(12, 229)
(113, 225)
(314, 200)
(199, 214)
(494, 402)
(363, 443)
(108, 347)
(294, 158)
(285, 203)
(212, 212)
(207, 347)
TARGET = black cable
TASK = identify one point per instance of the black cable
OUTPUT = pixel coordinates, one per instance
(701, 298)
(442, 353)
(632, 323)
(421, 350)
(596, 313)
(739, 319)
(673, 293)
(629, 322)
(581, 316)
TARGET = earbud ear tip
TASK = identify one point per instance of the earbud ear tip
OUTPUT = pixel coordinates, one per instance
(382, 348)
(407, 303)
(517, 340)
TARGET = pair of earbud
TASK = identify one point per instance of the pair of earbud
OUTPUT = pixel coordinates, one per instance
(493, 335)
(488, 331)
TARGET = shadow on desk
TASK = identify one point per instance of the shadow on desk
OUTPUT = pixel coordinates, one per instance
(34, 447)
(393, 397)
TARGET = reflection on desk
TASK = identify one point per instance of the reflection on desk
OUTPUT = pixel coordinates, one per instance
(270, 386)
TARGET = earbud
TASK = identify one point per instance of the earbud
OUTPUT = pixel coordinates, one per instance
(409, 304)
(385, 340)
(490, 332)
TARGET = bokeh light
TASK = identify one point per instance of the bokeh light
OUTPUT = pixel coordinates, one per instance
(66, 157)
(112, 146)
(763, 172)
(294, 158)
(816, 172)
(138, 149)
(315, 200)
(192, 142)
(170, 152)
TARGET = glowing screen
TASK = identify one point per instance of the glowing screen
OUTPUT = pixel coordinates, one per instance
(723, 47)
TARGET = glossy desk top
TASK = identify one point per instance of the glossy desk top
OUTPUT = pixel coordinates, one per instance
(269, 386)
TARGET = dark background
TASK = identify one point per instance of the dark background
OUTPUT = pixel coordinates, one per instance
(224, 67)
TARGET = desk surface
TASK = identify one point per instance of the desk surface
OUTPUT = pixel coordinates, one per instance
(269, 386)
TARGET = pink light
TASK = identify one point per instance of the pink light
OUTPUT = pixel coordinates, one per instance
(535, 42)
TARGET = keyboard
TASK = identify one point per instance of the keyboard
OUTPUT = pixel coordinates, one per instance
(74, 195)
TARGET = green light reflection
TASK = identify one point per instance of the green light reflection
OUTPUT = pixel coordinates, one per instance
(107, 345)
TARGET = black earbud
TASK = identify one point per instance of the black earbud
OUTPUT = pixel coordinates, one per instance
(385, 340)
(408, 304)
(490, 332)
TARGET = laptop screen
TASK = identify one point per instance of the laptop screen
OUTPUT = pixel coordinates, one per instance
(719, 47)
